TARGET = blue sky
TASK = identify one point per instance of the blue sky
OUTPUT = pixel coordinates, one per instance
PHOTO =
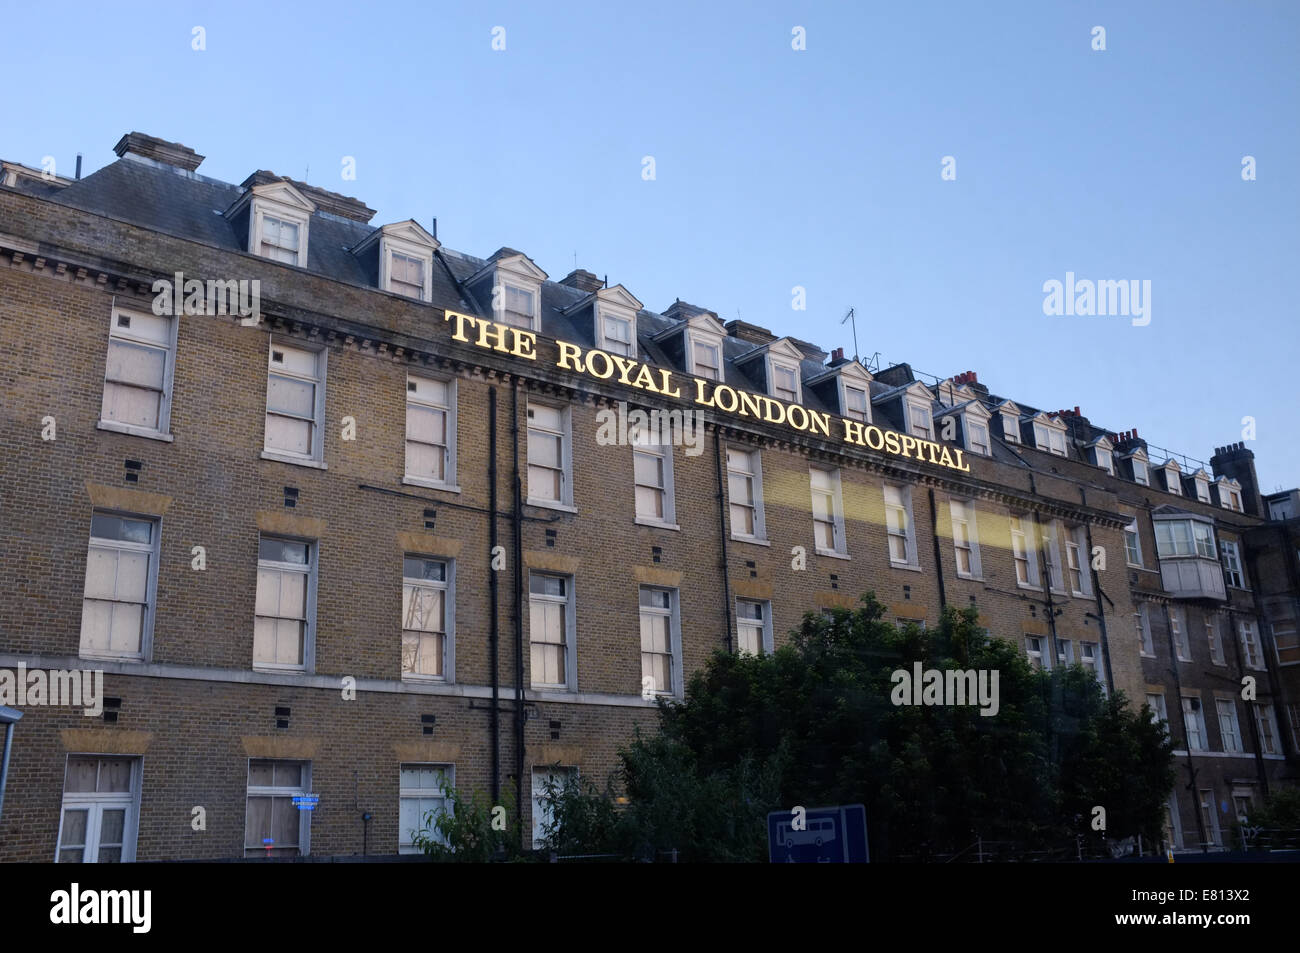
(774, 168)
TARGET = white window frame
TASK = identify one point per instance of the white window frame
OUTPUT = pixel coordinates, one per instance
(673, 614)
(446, 774)
(668, 492)
(1050, 531)
(1049, 438)
(963, 514)
(1250, 647)
(1229, 725)
(836, 520)
(905, 506)
(773, 365)
(1077, 562)
(541, 774)
(1064, 652)
(863, 416)
(565, 433)
(1103, 458)
(1230, 556)
(1146, 644)
(1142, 467)
(1285, 629)
(309, 627)
(1131, 533)
(1209, 809)
(449, 482)
(1036, 652)
(263, 209)
(391, 282)
(982, 446)
(569, 602)
(1029, 550)
(1090, 659)
(919, 418)
(1173, 478)
(1202, 489)
(1197, 541)
(95, 803)
(755, 478)
(518, 287)
(1178, 629)
(1011, 428)
(281, 791)
(390, 247)
(610, 345)
(1158, 708)
(316, 455)
(705, 340)
(1270, 742)
(124, 335)
(1214, 638)
(1194, 723)
(151, 550)
(763, 628)
(447, 586)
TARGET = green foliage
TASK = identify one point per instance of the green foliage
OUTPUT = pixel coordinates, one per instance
(1277, 820)
(466, 833)
(814, 725)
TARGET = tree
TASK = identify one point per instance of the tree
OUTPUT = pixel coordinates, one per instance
(472, 829)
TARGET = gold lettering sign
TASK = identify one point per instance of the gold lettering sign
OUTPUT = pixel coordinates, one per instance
(712, 394)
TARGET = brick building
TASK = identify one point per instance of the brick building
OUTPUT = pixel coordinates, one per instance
(308, 544)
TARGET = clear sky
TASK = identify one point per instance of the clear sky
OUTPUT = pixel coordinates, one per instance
(775, 168)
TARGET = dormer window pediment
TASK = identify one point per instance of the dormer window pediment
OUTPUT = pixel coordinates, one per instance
(1010, 419)
(974, 418)
(1173, 477)
(1102, 453)
(614, 312)
(917, 408)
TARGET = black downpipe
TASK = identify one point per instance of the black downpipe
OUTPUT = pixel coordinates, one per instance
(1101, 612)
(493, 588)
(517, 529)
(722, 531)
(938, 556)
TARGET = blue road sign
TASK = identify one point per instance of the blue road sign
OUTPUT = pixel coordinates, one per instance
(820, 835)
(306, 802)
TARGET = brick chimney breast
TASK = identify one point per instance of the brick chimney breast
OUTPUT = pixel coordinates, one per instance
(583, 280)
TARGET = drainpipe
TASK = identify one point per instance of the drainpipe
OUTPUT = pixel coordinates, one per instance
(722, 530)
(938, 559)
(517, 528)
(494, 589)
(1096, 591)
(8, 717)
(1191, 768)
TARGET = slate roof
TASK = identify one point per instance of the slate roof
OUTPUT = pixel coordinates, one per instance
(185, 204)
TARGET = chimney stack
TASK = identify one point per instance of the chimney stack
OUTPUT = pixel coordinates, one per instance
(151, 147)
(1237, 463)
(582, 279)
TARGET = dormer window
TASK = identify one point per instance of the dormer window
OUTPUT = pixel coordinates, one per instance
(406, 275)
(1229, 494)
(1202, 481)
(1010, 418)
(512, 283)
(1141, 475)
(919, 422)
(279, 240)
(977, 437)
(1173, 477)
(1100, 450)
(706, 360)
(520, 307)
(1049, 435)
(785, 383)
(401, 255)
(616, 335)
(613, 311)
(856, 404)
(278, 217)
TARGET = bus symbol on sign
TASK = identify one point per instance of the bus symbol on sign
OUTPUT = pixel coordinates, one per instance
(827, 835)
